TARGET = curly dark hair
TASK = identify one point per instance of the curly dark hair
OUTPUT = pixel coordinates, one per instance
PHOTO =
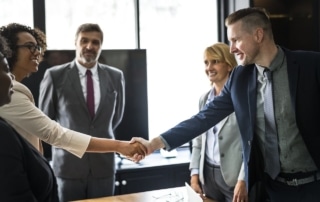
(10, 32)
(5, 51)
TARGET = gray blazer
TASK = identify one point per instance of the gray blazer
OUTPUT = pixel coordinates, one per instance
(229, 146)
(61, 98)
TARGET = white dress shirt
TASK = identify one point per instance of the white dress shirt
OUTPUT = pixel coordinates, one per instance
(212, 144)
(96, 83)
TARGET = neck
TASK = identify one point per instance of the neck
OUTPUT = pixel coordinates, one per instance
(267, 54)
(217, 88)
(19, 76)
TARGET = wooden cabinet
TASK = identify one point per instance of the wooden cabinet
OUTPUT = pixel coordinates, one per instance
(154, 172)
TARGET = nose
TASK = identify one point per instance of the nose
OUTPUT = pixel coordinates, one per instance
(89, 45)
(233, 49)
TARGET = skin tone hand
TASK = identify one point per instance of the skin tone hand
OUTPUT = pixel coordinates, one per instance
(240, 192)
(130, 149)
(195, 185)
(151, 146)
(126, 148)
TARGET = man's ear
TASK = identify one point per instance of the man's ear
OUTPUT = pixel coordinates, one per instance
(259, 34)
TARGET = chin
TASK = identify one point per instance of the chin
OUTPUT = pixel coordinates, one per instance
(244, 63)
(35, 69)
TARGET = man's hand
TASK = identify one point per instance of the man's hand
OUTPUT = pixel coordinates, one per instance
(145, 142)
(151, 146)
(240, 193)
(129, 149)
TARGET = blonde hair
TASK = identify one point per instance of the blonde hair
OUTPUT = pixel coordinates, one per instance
(221, 52)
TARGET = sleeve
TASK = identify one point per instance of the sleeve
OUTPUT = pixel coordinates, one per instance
(197, 143)
(210, 115)
(14, 184)
(196, 153)
(29, 121)
(242, 174)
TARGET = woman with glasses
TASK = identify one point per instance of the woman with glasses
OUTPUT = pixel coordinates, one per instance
(28, 46)
(24, 174)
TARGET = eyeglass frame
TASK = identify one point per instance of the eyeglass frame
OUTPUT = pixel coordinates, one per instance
(32, 47)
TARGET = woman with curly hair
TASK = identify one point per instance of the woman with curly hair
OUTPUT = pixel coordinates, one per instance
(25, 175)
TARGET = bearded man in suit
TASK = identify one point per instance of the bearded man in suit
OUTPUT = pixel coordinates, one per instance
(96, 108)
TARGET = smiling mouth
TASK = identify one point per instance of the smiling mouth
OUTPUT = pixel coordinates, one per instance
(212, 73)
(35, 61)
(239, 55)
(88, 53)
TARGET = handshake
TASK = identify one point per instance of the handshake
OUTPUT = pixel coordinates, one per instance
(138, 148)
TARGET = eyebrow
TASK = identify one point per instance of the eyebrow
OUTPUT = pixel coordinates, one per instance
(29, 42)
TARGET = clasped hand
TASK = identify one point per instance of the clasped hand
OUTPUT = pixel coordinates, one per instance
(136, 149)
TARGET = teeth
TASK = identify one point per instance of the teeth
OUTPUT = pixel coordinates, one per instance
(36, 61)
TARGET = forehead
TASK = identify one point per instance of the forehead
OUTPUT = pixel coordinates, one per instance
(90, 35)
(25, 37)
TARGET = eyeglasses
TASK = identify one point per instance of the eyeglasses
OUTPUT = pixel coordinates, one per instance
(32, 47)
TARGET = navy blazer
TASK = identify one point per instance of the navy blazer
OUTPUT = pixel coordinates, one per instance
(25, 175)
(239, 95)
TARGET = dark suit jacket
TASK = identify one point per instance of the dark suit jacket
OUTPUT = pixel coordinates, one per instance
(239, 95)
(62, 99)
(24, 174)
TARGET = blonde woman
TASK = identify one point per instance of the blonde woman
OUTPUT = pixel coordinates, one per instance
(216, 161)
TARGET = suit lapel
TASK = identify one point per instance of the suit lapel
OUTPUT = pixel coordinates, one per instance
(292, 69)
(73, 76)
(105, 87)
(252, 97)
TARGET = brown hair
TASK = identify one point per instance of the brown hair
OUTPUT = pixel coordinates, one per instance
(251, 18)
(89, 27)
(5, 51)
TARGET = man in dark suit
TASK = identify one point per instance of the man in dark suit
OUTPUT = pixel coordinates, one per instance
(96, 108)
(296, 97)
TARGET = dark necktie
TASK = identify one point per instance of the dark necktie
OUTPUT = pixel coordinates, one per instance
(90, 93)
(272, 161)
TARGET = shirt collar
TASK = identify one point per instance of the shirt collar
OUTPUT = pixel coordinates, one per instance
(276, 63)
(82, 69)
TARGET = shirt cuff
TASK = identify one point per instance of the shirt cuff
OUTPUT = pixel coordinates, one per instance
(167, 146)
(194, 171)
(78, 144)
